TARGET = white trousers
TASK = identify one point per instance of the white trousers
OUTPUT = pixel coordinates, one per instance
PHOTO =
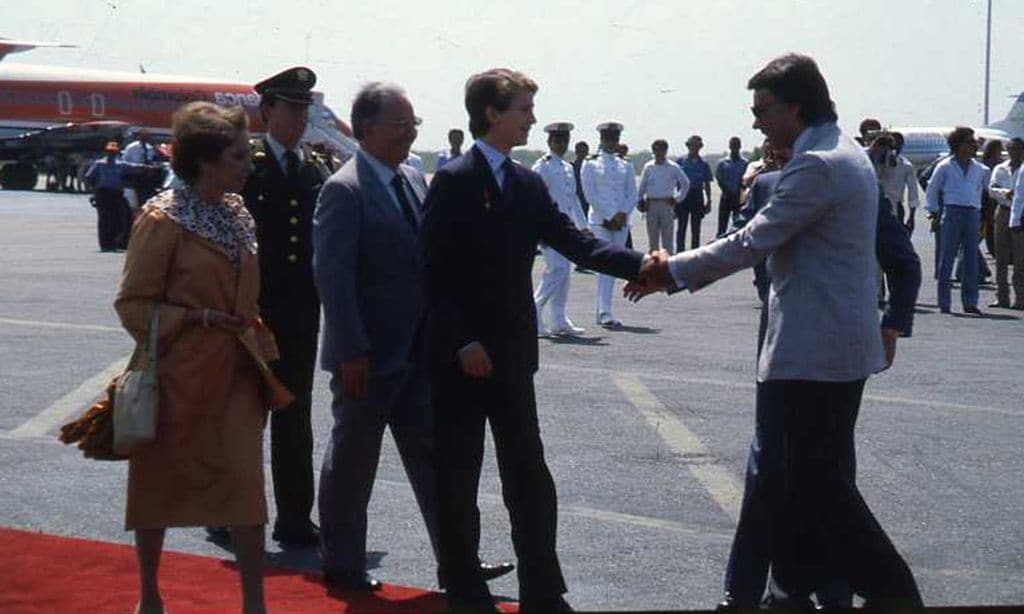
(554, 288)
(606, 283)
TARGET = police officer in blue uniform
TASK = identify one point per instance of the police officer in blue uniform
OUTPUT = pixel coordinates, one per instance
(281, 194)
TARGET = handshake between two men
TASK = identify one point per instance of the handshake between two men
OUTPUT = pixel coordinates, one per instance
(655, 276)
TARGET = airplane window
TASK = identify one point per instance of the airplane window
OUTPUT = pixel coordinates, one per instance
(98, 105)
(64, 102)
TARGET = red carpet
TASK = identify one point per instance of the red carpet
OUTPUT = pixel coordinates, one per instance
(45, 573)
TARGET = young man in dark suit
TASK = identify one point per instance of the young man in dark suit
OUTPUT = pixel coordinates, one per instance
(485, 215)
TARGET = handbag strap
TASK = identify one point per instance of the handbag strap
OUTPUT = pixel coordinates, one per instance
(154, 334)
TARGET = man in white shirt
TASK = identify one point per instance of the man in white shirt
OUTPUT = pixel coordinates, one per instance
(140, 151)
(1009, 246)
(455, 139)
(955, 191)
(560, 180)
(609, 185)
(662, 185)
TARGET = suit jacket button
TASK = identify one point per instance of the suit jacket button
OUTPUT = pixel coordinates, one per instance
(293, 258)
(294, 203)
(259, 198)
(293, 239)
(294, 221)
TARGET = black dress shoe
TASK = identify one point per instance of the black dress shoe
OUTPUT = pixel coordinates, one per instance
(999, 305)
(351, 581)
(490, 571)
(306, 536)
(541, 606)
(973, 310)
(219, 535)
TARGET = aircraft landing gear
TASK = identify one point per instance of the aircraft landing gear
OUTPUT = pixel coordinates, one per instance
(19, 176)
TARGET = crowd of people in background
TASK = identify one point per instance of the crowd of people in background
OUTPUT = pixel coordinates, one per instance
(675, 194)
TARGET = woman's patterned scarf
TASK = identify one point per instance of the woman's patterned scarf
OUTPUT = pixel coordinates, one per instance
(228, 223)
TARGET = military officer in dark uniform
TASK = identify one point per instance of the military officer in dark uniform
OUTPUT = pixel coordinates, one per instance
(281, 194)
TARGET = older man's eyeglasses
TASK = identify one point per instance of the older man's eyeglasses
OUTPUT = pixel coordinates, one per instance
(405, 123)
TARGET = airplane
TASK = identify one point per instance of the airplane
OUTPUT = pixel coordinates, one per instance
(48, 111)
(924, 145)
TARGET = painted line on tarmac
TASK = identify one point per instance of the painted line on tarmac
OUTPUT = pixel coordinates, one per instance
(744, 385)
(590, 513)
(716, 479)
(41, 424)
(63, 325)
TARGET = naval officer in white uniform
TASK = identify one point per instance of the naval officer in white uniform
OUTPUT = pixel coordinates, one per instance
(609, 185)
(561, 182)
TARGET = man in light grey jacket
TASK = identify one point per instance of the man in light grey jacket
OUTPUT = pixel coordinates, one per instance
(801, 505)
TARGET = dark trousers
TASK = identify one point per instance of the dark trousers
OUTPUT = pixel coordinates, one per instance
(291, 431)
(400, 401)
(802, 512)
(689, 212)
(111, 219)
(726, 205)
(462, 405)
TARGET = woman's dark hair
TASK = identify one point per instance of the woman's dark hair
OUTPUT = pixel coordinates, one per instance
(960, 134)
(795, 79)
(202, 131)
(493, 88)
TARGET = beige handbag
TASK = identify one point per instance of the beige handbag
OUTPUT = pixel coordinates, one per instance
(136, 395)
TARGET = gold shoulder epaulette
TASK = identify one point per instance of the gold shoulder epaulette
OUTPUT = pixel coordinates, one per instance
(257, 148)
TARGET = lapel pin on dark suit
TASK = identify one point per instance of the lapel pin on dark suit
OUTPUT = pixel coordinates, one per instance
(487, 199)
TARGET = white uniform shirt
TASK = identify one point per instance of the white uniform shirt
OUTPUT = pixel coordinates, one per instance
(950, 185)
(558, 176)
(1004, 177)
(416, 162)
(664, 180)
(609, 185)
(899, 179)
(138, 153)
(1017, 206)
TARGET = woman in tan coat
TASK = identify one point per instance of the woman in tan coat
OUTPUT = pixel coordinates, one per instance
(192, 254)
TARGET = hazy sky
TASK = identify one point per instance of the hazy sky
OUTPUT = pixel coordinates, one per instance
(665, 68)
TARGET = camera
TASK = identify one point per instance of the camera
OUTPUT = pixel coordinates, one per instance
(882, 150)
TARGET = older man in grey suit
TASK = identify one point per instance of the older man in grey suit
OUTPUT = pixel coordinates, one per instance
(801, 505)
(368, 272)
(367, 268)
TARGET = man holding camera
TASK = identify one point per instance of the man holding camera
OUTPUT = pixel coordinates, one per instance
(896, 175)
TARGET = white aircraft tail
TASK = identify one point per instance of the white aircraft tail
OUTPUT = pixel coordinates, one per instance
(1016, 114)
(8, 45)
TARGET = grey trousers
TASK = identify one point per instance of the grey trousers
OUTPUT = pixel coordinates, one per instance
(401, 402)
(1009, 251)
(661, 224)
